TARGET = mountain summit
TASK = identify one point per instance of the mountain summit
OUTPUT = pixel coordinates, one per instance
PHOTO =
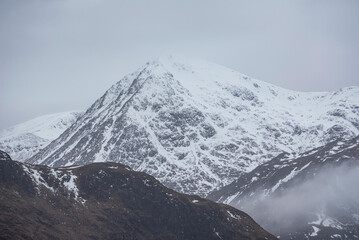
(197, 126)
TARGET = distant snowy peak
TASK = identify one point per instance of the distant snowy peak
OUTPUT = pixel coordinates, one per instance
(196, 125)
(24, 140)
(48, 126)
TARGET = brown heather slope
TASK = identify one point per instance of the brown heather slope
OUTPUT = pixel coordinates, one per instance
(109, 201)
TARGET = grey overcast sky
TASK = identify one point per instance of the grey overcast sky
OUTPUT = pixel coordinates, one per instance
(60, 55)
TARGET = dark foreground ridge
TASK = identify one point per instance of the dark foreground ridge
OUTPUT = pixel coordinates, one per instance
(108, 201)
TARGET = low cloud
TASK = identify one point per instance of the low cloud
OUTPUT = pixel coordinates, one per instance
(332, 193)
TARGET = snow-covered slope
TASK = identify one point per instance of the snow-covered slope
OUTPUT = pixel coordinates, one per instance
(24, 140)
(196, 126)
(313, 195)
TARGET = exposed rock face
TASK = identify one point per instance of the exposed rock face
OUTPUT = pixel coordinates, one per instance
(26, 139)
(108, 201)
(313, 195)
(197, 126)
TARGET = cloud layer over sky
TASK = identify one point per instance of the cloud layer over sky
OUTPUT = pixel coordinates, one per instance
(60, 55)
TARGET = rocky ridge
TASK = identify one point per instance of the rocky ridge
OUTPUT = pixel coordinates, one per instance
(108, 201)
(312, 195)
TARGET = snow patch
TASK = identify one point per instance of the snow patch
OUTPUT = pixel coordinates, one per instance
(217, 233)
(292, 174)
(147, 182)
(235, 216)
(37, 178)
(315, 231)
(113, 167)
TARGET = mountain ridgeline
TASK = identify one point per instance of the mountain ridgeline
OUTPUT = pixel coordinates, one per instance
(109, 201)
(197, 126)
(26, 139)
(313, 195)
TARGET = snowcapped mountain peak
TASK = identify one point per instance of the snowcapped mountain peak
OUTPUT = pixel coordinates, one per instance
(199, 70)
(25, 139)
(196, 125)
(47, 126)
